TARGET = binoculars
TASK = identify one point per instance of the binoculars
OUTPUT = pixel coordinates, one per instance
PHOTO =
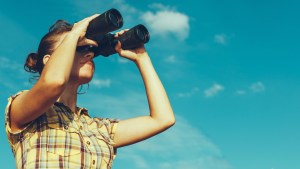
(111, 20)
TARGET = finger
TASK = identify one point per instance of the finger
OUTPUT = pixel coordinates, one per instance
(86, 41)
(91, 42)
(92, 17)
(120, 33)
(87, 19)
(118, 47)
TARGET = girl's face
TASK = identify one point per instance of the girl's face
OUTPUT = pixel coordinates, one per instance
(83, 66)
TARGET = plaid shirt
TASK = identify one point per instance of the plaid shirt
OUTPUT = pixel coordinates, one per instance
(61, 139)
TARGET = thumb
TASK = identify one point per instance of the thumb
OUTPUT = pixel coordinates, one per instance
(86, 41)
(118, 47)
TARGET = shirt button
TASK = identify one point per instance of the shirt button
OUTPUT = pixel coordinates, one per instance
(94, 162)
(80, 127)
(88, 143)
(66, 127)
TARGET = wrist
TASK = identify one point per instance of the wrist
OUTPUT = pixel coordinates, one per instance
(142, 59)
(73, 35)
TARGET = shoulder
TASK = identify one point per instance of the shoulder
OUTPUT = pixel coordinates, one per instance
(9, 103)
(8, 110)
(13, 96)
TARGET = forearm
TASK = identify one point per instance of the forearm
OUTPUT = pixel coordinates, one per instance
(161, 114)
(59, 66)
(159, 104)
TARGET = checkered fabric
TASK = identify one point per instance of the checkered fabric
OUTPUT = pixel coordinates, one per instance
(61, 139)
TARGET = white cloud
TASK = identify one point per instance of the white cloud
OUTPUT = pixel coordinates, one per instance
(240, 92)
(100, 83)
(188, 94)
(12, 74)
(161, 7)
(213, 90)
(123, 60)
(171, 59)
(257, 87)
(221, 39)
(9, 64)
(166, 21)
(123, 6)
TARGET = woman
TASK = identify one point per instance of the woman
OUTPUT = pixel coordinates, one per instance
(45, 127)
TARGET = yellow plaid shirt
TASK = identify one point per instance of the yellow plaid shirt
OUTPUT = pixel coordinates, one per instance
(61, 139)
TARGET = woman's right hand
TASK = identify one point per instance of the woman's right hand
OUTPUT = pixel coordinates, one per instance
(79, 29)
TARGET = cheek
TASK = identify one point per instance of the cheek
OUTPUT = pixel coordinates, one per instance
(86, 69)
(89, 65)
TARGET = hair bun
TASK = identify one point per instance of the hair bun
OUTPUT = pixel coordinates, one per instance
(30, 64)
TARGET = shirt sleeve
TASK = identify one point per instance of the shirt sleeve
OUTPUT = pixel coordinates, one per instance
(111, 125)
(7, 116)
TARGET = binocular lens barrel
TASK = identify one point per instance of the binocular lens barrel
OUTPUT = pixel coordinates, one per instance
(108, 21)
(134, 37)
(131, 39)
(114, 18)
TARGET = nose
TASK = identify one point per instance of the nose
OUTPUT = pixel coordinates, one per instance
(89, 55)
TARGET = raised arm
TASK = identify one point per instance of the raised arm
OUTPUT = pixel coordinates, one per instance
(31, 104)
(161, 115)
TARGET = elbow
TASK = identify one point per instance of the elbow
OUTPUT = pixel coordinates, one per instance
(169, 122)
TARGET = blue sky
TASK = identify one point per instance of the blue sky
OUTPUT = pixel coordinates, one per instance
(229, 67)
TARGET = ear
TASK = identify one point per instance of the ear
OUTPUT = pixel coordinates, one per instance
(46, 58)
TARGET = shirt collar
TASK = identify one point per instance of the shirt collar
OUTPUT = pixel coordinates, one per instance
(80, 110)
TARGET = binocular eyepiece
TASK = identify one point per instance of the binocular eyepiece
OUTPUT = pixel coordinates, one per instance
(112, 20)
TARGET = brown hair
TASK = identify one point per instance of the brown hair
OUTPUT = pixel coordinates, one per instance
(34, 62)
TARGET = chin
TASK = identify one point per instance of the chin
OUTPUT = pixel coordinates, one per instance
(85, 78)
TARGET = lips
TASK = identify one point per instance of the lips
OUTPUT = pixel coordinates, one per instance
(88, 62)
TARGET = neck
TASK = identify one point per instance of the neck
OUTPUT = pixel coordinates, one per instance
(69, 97)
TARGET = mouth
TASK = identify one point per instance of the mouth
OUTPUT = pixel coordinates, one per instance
(88, 63)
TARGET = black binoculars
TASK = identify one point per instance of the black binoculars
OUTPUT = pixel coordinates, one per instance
(112, 20)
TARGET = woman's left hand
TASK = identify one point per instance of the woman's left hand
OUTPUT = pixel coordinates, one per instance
(131, 54)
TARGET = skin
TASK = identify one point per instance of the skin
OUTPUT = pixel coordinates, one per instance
(65, 70)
